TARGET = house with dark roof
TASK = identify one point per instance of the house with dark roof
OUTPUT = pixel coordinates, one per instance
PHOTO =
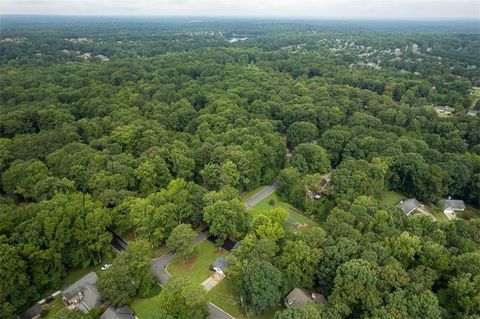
(452, 206)
(83, 294)
(123, 312)
(409, 205)
(219, 265)
(299, 297)
(33, 312)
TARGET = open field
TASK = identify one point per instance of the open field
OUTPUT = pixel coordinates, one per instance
(292, 211)
(392, 198)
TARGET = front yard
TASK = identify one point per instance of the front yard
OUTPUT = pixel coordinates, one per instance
(196, 270)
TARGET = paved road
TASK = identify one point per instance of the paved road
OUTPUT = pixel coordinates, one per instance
(264, 193)
(159, 267)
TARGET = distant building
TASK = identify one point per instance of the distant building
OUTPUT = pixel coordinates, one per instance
(452, 206)
(83, 294)
(33, 312)
(409, 205)
(472, 112)
(123, 312)
(446, 110)
(300, 297)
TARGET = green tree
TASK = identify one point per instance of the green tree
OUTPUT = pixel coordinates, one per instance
(182, 239)
(226, 219)
(298, 263)
(310, 158)
(129, 276)
(181, 299)
(301, 132)
(262, 284)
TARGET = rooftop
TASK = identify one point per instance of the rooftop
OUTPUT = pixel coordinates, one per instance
(80, 285)
(453, 204)
(409, 205)
(299, 297)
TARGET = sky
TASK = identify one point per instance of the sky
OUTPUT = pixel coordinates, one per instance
(367, 9)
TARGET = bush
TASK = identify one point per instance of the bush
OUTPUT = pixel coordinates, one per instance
(271, 202)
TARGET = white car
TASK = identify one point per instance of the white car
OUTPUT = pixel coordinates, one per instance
(106, 266)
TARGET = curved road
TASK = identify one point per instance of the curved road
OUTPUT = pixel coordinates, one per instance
(159, 268)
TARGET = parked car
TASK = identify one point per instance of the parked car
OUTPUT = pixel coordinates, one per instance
(106, 266)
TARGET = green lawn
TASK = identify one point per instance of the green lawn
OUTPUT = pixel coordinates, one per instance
(222, 296)
(469, 213)
(197, 268)
(438, 213)
(145, 308)
(52, 308)
(392, 198)
(265, 205)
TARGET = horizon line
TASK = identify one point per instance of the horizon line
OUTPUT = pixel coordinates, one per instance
(240, 17)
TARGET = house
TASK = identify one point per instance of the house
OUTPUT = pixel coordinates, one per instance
(299, 297)
(33, 312)
(123, 312)
(219, 265)
(472, 112)
(451, 206)
(83, 294)
(446, 110)
(409, 205)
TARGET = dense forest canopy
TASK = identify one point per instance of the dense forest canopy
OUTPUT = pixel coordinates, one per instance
(153, 126)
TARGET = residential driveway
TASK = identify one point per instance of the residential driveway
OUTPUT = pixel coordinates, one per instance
(159, 265)
(264, 193)
(217, 313)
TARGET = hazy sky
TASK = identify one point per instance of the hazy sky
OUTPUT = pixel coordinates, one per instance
(266, 8)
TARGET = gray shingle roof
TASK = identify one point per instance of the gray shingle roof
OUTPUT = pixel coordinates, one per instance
(220, 263)
(299, 297)
(123, 312)
(453, 204)
(91, 297)
(80, 285)
(408, 205)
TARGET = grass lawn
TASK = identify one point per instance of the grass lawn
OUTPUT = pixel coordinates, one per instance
(469, 213)
(265, 205)
(75, 274)
(197, 269)
(392, 198)
(145, 308)
(438, 214)
(52, 308)
(246, 195)
(222, 296)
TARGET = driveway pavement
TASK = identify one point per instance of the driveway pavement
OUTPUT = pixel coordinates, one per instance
(264, 193)
(159, 268)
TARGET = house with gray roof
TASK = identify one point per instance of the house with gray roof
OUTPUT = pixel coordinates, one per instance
(220, 265)
(299, 297)
(83, 294)
(123, 312)
(452, 206)
(409, 205)
(445, 110)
